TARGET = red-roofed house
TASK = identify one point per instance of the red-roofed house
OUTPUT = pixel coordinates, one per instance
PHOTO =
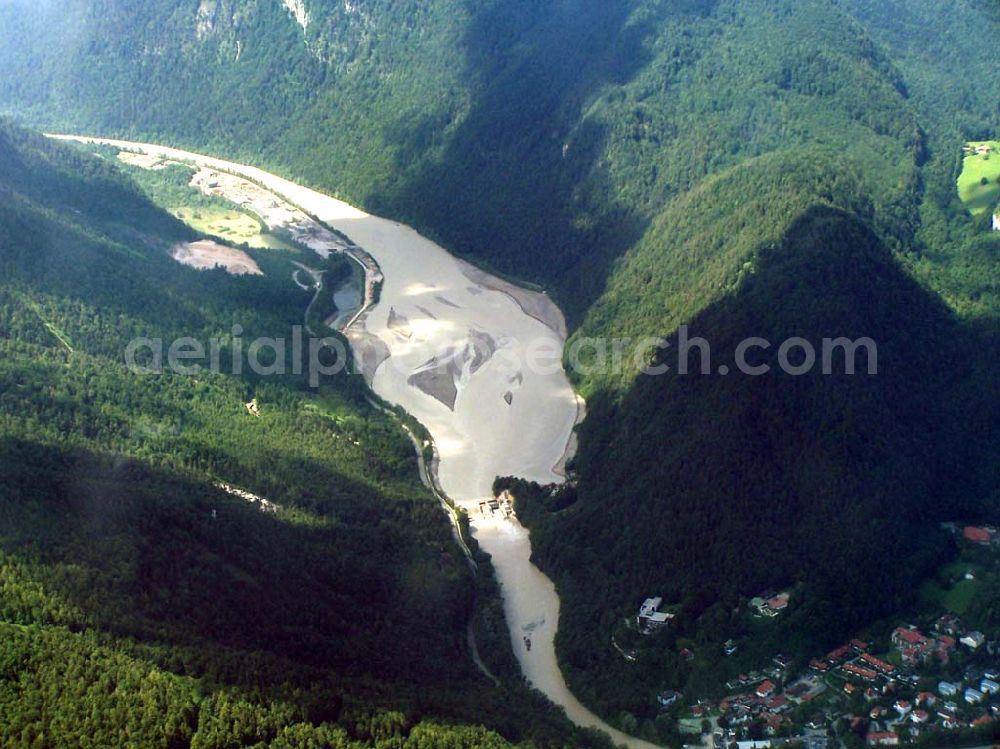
(765, 689)
(776, 605)
(778, 703)
(865, 673)
(927, 698)
(905, 636)
(836, 656)
(882, 738)
(913, 645)
(774, 723)
(977, 535)
(871, 660)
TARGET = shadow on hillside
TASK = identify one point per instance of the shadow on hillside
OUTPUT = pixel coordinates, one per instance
(521, 180)
(707, 489)
(150, 562)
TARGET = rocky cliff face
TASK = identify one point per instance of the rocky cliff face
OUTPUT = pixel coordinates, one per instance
(298, 10)
(332, 34)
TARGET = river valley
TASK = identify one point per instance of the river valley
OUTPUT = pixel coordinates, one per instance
(478, 362)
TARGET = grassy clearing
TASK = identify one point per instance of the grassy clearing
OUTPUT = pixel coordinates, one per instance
(270, 242)
(959, 595)
(976, 196)
(957, 600)
(52, 328)
(233, 225)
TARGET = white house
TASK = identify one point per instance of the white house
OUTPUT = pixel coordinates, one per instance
(973, 696)
(650, 617)
(988, 686)
(761, 744)
(973, 639)
(668, 698)
(947, 689)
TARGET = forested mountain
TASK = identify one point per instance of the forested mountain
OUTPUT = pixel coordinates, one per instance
(753, 167)
(708, 490)
(577, 120)
(141, 603)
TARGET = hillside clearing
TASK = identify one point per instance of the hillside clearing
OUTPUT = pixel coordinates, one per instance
(206, 254)
(976, 196)
(230, 224)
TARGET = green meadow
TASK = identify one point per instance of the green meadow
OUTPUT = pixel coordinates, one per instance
(957, 596)
(980, 198)
(229, 224)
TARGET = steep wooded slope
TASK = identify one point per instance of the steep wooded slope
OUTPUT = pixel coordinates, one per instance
(654, 162)
(142, 603)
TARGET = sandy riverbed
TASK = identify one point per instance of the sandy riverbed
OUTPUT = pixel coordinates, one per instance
(511, 411)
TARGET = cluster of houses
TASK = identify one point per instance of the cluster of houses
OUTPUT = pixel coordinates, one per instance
(885, 698)
(854, 662)
(983, 149)
(916, 648)
(762, 700)
(941, 709)
(973, 695)
(879, 681)
(767, 699)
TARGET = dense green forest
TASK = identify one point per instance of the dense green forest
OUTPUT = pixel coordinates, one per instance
(573, 121)
(708, 490)
(752, 167)
(143, 604)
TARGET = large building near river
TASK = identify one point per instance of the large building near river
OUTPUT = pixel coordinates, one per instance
(650, 617)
